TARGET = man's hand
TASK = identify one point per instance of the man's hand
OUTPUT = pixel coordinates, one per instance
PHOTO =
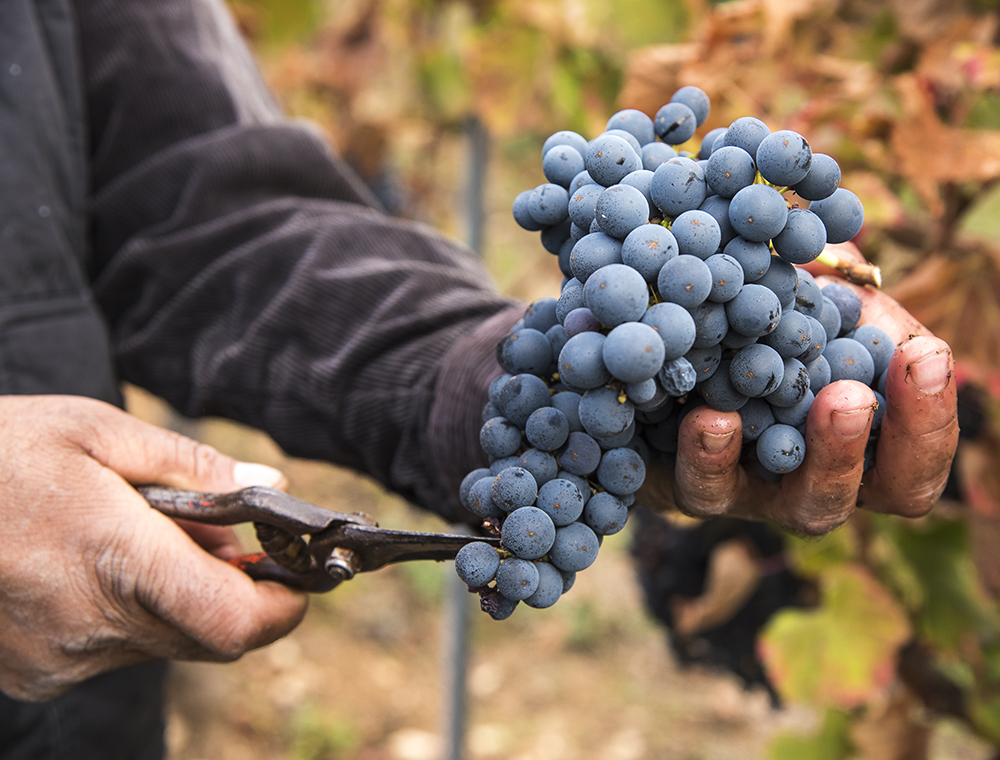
(91, 577)
(913, 457)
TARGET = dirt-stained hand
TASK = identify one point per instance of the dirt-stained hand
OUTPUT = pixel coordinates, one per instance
(91, 577)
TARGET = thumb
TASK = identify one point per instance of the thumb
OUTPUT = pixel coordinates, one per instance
(145, 454)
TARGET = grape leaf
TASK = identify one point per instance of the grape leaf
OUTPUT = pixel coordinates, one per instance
(831, 742)
(841, 653)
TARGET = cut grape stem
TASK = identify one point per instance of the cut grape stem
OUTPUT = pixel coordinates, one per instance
(858, 273)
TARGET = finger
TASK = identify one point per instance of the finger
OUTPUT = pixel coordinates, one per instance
(144, 454)
(822, 492)
(707, 475)
(218, 540)
(919, 431)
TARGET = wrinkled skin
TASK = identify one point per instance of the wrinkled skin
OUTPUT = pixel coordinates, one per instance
(915, 449)
(91, 577)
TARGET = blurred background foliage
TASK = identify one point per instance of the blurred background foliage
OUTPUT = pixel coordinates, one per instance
(894, 649)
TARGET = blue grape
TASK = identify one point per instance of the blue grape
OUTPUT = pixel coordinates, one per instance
(565, 137)
(829, 317)
(615, 294)
(847, 303)
(642, 392)
(481, 499)
(819, 373)
(842, 213)
(730, 169)
(553, 237)
(565, 252)
(574, 548)
(548, 203)
(708, 142)
(621, 471)
(685, 280)
(821, 180)
(633, 352)
(878, 413)
(513, 488)
(719, 391)
(582, 204)
(655, 153)
(571, 298)
(528, 533)
(561, 500)
(541, 314)
(517, 579)
(499, 465)
(521, 395)
(675, 123)
(581, 320)
(705, 361)
(849, 360)
(609, 158)
(580, 482)
(496, 385)
(758, 212)
(581, 180)
(546, 429)
(592, 252)
(697, 233)
(521, 213)
(802, 239)
(500, 437)
(627, 137)
(784, 157)
(808, 296)
(757, 416)
(550, 586)
(718, 208)
(757, 370)
(794, 385)
(879, 344)
(603, 414)
(561, 164)
(781, 448)
(641, 179)
(524, 351)
(557, 339)
(605, 514)
(736, 341)
(678, 185)
(620, 209)
(541, 464)
(489, 412)
(796, 414)
(581, 362)
(756, 311)
(476, 563)
(647, 248)
(623, 439)
(710, 324)
(783, 279)
(635, 122)
(675, 326)
(581, 456)
(568, 403)
(792, 336)
(468, 481)
(753, 257)
(498, 606)
(727, 277)
(696, 99)
(817, 345)
(746, 132)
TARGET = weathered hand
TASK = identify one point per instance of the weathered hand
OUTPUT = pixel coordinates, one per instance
(915, 449)
(91, 577)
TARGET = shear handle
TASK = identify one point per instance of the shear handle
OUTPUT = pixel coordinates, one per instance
(256, 504)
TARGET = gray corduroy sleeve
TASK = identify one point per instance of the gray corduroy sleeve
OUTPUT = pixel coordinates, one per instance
(246, 272)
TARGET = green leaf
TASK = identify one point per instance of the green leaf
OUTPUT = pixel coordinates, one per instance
(937, 555)
(841, 653)
(831, 742)
(814, 556)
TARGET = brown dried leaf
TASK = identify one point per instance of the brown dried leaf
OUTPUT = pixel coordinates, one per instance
(893, 729)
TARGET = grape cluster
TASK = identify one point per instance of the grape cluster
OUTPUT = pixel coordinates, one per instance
(680, 289)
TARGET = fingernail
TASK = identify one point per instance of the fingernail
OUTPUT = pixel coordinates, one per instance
(851, 424)
(247, 474)
(713, 443)
(930, 373)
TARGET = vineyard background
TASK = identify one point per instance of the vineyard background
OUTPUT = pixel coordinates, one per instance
(898, 653)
